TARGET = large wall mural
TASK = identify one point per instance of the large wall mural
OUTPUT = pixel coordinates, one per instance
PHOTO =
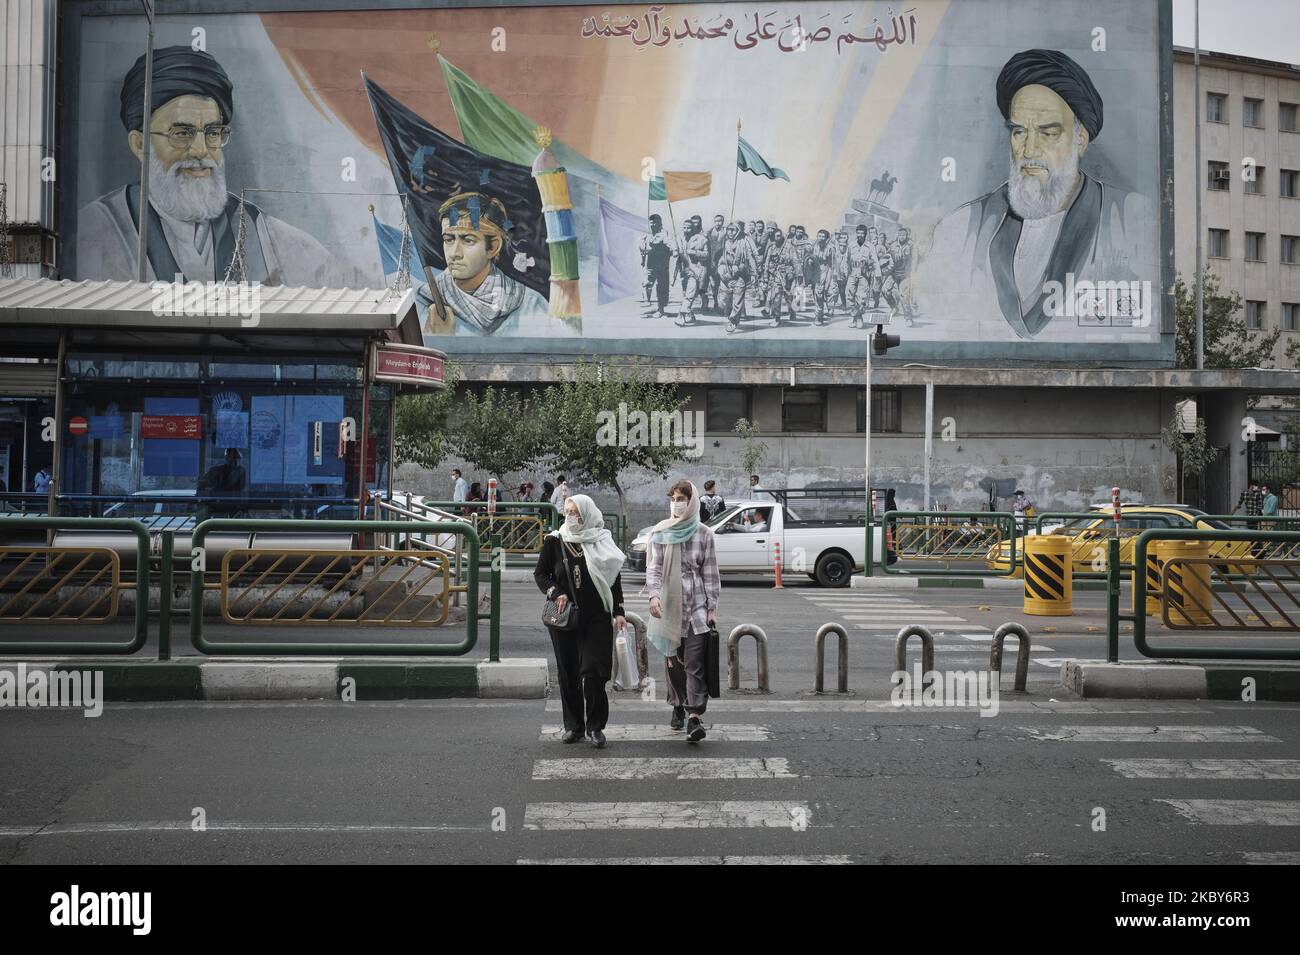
(981, 172)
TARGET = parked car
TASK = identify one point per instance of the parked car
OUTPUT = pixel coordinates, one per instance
(1090, 535)
(827, 551)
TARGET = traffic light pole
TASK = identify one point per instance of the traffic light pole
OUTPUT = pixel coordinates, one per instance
(866, 465)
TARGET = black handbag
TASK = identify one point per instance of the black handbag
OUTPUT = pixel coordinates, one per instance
(552, 615)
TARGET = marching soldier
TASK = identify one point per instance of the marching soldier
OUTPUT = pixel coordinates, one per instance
(736, 268)
(656, 256)
(696, 256)
(823, 260)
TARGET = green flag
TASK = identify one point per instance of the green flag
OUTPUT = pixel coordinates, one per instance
(658, 191)
(748, 159)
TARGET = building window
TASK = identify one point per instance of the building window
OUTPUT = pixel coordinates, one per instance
(1255, 315)
(724, 406)
(1252, 113)
(1286, 117)
(1291, 250)
(803, 409)
(1216, 107)
(1220, 176)
(1288, 184)
(886, 411)
(1255, 185)
(1290, 313)
(1254, 247)
(1218, 243)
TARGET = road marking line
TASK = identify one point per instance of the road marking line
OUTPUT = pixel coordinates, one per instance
(1009, 648)
(1272, 858)
(1150, 734)
(663, 768)
(1238, 812)
(651, 732)
(1206, 768)
(102, 828)
(698, 860)
(668, 814)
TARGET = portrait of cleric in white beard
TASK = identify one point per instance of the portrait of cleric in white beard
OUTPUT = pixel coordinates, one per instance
(193, 220)
(1050, 219)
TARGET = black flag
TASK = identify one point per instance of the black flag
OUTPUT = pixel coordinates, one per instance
(429, 167)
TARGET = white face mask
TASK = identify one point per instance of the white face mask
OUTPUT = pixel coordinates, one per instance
(679, 508)
(572, 521)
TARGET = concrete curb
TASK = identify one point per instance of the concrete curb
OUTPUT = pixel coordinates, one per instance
(1134, 681)
(897, 582)
(365, 678)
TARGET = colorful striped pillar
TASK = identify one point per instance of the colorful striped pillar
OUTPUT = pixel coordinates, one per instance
(561, 237)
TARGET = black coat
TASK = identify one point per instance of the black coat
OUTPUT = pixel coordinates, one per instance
(550, 572)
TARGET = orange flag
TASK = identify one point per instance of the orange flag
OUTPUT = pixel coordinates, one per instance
(687, 185)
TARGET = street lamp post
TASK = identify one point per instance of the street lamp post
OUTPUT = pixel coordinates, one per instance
(143, 219)
(1196, 180)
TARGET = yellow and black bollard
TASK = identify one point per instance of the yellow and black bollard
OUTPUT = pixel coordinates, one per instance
(1189, 584)
(1049, 579)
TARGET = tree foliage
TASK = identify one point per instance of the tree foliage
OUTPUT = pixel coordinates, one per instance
(1193, 451)
(584, 419)
(752, 451)
(499, 432)
(422, 433)
(1228, 342)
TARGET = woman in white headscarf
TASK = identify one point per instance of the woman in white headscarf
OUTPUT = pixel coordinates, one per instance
(580, 563)
(684, 584)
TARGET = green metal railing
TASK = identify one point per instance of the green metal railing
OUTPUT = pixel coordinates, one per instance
(545, 508)
(1002, 519)
(464, 530)
(141, 585)
(1096, 537)
(1138, 617)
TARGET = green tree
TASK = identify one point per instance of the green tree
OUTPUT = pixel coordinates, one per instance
(582, 421)
(499, 432)
(752, 451)
(422, 434)
(1193, 452)
(1228, 342)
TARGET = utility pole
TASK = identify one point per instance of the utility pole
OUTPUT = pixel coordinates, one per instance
(1200, 186)
(141, 257)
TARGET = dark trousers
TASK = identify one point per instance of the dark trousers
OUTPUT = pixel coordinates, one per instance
(657, 279)
(584, 661)
(688, 683)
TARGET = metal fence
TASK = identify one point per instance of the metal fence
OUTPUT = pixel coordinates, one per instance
(947, 536)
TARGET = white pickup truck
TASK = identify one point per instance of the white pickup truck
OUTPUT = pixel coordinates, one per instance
(827, 551)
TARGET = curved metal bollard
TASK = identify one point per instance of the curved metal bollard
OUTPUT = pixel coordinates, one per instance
(733, 656)
(1022, 658)
(927, 648)
(638, 628)
(835, 628)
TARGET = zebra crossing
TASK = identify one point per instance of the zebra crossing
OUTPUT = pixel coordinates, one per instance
(767, 791)
(879, 613)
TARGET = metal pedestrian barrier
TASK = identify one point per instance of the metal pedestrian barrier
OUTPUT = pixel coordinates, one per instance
(947, 536)
(843, 668)
(520, 533)
(334, 588)
(947, 541)
(76, 580)
(927, 648)
(1208, 587)
(733, 656)
(1022, 655)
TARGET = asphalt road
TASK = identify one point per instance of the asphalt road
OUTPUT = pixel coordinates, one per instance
(782, 777)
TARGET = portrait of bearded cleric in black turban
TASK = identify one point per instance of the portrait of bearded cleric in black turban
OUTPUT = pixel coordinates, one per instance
(996, 257)
(193, 220)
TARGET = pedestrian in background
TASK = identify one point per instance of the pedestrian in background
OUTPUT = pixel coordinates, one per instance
(525, 491)
(580, 563)
(475, 492)
(711, 504)
(460, 488)
(684, 584)
(1252, 499)
(547, 490)
(1269, 506)
(561, 493)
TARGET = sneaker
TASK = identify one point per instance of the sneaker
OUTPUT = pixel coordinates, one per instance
(597, 739)
(679, 718)
(570, 736)
(694, 730)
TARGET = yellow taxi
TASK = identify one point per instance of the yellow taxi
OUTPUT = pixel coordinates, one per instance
(1090, 534)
